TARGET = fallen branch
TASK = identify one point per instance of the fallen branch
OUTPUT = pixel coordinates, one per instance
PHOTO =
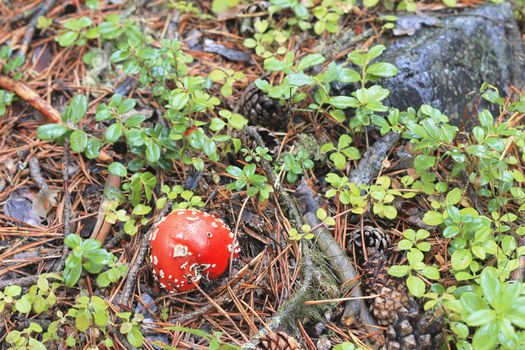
(66, 216)
(355, 309)
(286, 311)
(137, 263)
(372, 160)
(22, 282)
(102, 227)
(27, 94)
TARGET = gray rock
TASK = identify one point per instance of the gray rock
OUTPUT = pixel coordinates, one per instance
(445, 65)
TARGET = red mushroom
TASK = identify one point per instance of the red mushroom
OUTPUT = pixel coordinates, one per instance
(187, 244)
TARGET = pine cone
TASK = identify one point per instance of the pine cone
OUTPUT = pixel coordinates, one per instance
(414, 330)
(262, 110)
(278, 341)
(374, 237)
(391, 293)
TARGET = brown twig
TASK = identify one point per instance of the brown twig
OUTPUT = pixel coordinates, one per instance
(137, 263)
(286, 311)
(355, 309)
(102, 227)
(27, 94)
(36, 174)
(67, 205)
(30, 31)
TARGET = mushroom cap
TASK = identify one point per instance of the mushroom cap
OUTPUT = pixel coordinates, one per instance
(187, 244)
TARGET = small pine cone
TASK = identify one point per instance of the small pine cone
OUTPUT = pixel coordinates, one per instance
(391, 293)
(262, 110)
(278, 341)
(414, 330)
(374, 237)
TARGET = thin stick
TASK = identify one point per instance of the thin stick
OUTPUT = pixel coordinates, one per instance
(137, 264)
(28, 35)
(67, 205)
(27, 94)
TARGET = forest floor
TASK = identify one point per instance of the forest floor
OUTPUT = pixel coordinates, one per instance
(56, 181)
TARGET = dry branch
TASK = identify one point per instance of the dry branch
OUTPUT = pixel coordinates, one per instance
(102, 227)
(355, 309)
(137, 263)
(30, 96)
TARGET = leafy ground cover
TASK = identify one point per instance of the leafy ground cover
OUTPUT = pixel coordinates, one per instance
(115, 113)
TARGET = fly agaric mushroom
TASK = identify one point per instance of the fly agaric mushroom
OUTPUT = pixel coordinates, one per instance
(187, 244)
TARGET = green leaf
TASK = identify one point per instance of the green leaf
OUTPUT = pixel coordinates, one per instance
(51, 131)
(416, 286)
(126, 105)
(152, 153)
(454, 196)
(310, 61)
(93, 147)
(72, 240)
(141, 209)
(23, 305)
(382, 69)
(461, 259)
(433, 218)
(491, 286)
(67, 38)
(78, 140)
(344, 102)
(76, 109)
(299, 79)
(113, 132)
(399, 270)
(135, 338)
(480, 317)
(117, 169)
(431, 272)
(486, 337)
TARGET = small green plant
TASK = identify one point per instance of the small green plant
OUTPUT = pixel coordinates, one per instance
(131, 328)
(495, 310)
(79, 140)
(9, 296)
(305, 233)
(247, 178)
(413, 272)
(26, 339)
(75, 32)
(6, 98)
(9, 63)
(343, 152)
(90, 312)
(227, 77)
(40, 297)
(258, 154)
(88, 255)
(187, 199)
(295, 164)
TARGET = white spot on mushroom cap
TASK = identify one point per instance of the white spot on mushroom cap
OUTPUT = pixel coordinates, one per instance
(180, 250)
(183, 266)
(192, 218)
(161, 273)
(162, 285)
(155, 260)
(214, 224)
